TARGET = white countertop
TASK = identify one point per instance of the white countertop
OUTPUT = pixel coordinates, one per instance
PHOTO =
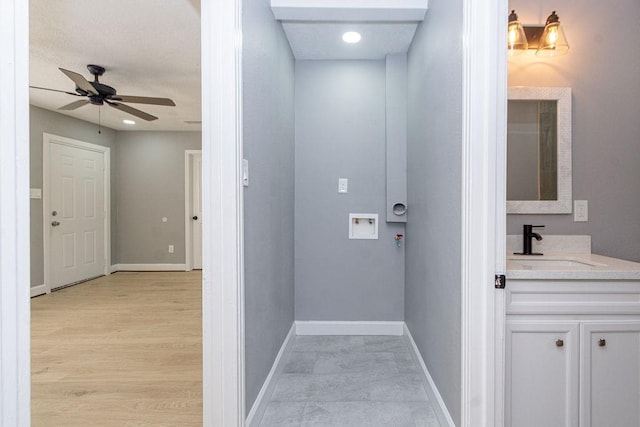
(571, 266)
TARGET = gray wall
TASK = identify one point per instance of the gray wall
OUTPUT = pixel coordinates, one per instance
(340, 133)
(433, 285)
(150, 185)
(147, 183)
(44, 121)
(268, 210)
(602, 68)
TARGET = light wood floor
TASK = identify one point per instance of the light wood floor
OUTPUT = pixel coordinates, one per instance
(121, 350)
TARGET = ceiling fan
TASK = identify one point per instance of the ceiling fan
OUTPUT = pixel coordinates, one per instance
(99, 94)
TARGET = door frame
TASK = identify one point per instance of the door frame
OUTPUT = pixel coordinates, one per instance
(188, 225)
(483, 208)
(15, 328)
(223, 220)
(47, 140)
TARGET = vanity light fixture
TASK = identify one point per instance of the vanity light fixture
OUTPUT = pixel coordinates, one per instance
(351, 37)
(516, 38)
(547, 40)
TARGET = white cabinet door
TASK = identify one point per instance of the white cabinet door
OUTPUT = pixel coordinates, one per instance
(541, 381)
(610, 374)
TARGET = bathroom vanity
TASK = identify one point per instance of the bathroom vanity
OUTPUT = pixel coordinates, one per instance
(572, 339)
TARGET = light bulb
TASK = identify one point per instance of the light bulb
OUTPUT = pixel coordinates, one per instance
(351, 37)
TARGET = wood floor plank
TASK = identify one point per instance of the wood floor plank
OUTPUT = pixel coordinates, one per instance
(120, 350)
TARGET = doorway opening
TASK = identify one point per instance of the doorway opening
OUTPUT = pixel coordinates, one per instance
(193, 209)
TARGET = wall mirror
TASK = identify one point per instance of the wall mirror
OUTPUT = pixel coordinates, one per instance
(539, 150)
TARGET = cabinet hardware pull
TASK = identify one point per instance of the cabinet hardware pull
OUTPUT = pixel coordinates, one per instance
(559, 343)
(602, 342)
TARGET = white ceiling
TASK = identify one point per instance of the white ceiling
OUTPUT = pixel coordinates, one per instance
(149, 48)
(315, 27)
(312, 40)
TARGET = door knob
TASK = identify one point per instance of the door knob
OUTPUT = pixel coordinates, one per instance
(195, 217)
(55, 223)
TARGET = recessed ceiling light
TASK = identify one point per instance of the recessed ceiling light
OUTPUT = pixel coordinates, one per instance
(351, 37)
(128, 122)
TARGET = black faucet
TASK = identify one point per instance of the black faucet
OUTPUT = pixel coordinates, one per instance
(527, 235)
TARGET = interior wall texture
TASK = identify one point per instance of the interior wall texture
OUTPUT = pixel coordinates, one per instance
(150, 182)
(602, 69)
(44, 121)
(268, 134)
(340, 133)
(434, 225)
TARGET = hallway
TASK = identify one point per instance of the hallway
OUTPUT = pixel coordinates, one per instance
(350, 381)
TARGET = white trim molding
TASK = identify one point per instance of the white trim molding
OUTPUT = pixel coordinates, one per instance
(15, 382)
(260, 405)
(47, 140)
(147, 267)
(36, 291)
(349, 328)
(437, 403)
(222, 208)
(483, 137)
(349, 10)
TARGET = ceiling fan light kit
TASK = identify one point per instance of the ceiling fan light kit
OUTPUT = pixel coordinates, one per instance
(98, 93)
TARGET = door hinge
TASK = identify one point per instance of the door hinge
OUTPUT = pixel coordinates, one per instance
(501, 281)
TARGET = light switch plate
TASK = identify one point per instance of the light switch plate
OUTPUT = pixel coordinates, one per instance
(35, 193)
(343, 185)
(245, 172)
(580, 210)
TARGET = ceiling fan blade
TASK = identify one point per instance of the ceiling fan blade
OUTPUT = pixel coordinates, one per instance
(144, 100)
(74, 105)
(80, 81)
(133, 111)
(55, 90)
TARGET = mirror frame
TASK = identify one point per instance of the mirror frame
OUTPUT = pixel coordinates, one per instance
(563, 204)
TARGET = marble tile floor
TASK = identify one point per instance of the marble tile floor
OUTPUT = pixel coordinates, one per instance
(349, 381)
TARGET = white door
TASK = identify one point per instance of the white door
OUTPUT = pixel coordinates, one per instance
(76, 214)
(541, 380)
(196, 209)
(610, 382)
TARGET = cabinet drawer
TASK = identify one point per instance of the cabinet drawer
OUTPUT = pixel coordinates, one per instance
(572, 297)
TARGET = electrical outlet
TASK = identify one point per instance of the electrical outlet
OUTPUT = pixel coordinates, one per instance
(580, 210)
(170, 249)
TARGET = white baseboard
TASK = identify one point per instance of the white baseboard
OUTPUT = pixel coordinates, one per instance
(444, 417)
(349, 328)
(38, 290)
(260, 405)
(148, 267)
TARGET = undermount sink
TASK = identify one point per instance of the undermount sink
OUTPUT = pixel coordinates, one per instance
(547, 262)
